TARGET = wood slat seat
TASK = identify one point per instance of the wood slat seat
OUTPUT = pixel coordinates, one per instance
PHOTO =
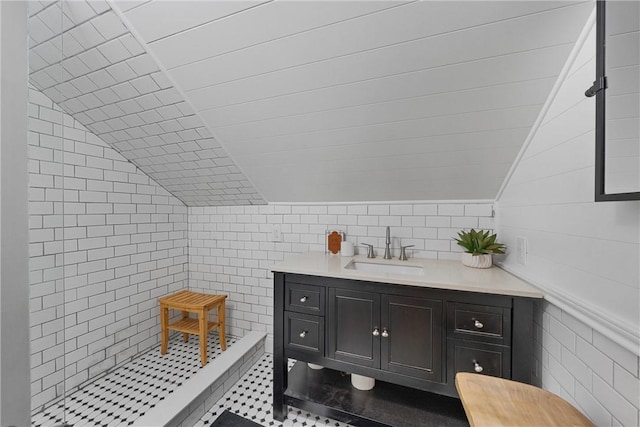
(490, 401)
(193, 302)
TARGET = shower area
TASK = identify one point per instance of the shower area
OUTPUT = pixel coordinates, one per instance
(106, 239)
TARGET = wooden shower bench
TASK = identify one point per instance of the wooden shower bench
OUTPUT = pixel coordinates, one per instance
(193, 302)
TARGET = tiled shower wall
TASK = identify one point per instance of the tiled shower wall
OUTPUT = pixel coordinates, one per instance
(105, 241)
(231, 248)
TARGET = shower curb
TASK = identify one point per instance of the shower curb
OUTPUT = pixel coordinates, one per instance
(189, 402)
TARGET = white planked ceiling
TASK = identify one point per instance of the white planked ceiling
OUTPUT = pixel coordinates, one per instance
(358, 101)
(340, 100)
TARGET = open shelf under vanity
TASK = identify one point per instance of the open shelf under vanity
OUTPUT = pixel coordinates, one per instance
(329, 393)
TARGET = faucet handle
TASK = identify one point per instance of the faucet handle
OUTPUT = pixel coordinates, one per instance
(403, 254)
(369, 247)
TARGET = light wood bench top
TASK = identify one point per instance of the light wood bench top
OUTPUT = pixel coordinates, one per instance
(191, 300)
(490, 401)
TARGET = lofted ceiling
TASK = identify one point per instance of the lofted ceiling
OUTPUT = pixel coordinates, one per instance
(237, 102)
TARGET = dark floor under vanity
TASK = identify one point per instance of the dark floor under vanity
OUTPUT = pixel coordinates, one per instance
(329, 393)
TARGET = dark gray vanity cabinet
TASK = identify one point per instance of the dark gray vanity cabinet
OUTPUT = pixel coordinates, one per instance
(411, 336)
(394, 333)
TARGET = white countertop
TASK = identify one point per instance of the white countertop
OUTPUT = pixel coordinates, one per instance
(435, 274)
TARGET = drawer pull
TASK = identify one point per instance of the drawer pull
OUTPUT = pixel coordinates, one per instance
(385, 333)
(303, 299)
(477, 367)
(375, 332)
(303, 334)
(478, 324)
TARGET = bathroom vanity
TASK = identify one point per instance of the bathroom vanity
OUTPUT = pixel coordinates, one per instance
(405, 323)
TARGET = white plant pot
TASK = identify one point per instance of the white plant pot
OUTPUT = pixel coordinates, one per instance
(477, 261)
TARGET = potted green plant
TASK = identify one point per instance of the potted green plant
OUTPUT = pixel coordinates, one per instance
(479, 247)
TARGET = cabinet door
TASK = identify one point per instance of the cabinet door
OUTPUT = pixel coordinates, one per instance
(411, 337)
(351, 320)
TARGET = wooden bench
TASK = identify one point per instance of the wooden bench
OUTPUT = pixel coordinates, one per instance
(490, 401)
(193, 302)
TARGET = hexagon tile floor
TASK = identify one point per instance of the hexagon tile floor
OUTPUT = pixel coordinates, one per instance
(129, 391)
(251, 398)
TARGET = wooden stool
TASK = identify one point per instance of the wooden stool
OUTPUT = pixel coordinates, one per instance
(490, 401)
(193, 302)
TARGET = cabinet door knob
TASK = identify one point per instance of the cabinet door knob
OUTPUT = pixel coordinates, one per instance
(385, 333)
(478, 324)
(477, 367)
(375, 332)
(303, 334)
(303, 299)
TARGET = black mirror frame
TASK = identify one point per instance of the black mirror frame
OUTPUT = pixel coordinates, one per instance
(599, 90)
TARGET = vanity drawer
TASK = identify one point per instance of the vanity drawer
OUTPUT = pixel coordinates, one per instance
(481, 358)
(479, 323)
(304, 298)
(304, 332)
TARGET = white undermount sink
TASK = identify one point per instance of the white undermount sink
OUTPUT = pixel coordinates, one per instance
(374, 267)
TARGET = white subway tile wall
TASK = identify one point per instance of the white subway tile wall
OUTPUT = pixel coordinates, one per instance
(586, 368)
(105, 242)
(231, 247)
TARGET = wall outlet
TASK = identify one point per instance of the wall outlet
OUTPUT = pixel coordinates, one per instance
(276, 233)
(521, 249)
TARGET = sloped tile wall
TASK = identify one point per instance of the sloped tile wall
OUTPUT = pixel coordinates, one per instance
(104, 242)
(109, 83)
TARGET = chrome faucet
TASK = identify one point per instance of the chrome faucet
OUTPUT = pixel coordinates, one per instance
(403, 253)
(387, 249)
(369, 247)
